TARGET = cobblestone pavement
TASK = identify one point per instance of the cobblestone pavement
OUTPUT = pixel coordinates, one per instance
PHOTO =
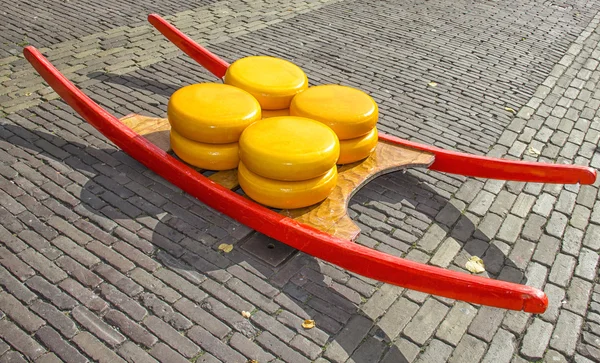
(101, 259)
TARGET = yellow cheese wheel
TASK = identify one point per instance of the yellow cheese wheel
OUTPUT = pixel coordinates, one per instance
(205, 156)
(212, 113)
(273, 81)
(289, 148)
(286, 194)
(275, 113)
(348, 111)
(352, 150)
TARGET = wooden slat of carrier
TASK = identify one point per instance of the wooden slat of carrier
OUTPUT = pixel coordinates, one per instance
(330, 215)
(156, 130)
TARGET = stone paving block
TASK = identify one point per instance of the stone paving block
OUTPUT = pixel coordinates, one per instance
(534, 227)
(132, 353)
(95, 349)
(482, 203)
(56, 318)
(253, 296)
(312, 350)
(436, 351)
(348, 339)
(78, 272)
(562, 270)
(224, 352)
(163, 353)
(165, 311)
(77, 252)
(123, 302)
(56, 344)
(587, 264)
(119, 280)
(510, 229)
(557, 224)
(456, 322)
(486, 323)
(19, 313)
(133, 330)
(536, 339)
(15, 287)
(51, 292)
(249, 349)
(501, 348)
(13, 356)
(198, 315)
(396, 318)
(172, 337)
(546, 250)
(592, 237)
(153, 284)
(566, 332)
(181, 285)
(572, 241)
(84, 295)
(15, 265)
(295, 323)
(381, 301)
(578, 295)
(544, 204)
(469, 349)
(426, 321)
(97, 327)
(44, 266)
(515, 321)
(20, 340)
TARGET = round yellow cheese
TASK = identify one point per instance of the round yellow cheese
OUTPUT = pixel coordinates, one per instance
(205, 156)
(212, 113)
(286, 194)
(350, 112)
(289, 148)
(273, 81)
(352, 150)
(275, 113)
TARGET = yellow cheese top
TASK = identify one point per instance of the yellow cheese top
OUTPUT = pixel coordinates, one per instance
(273, 81)
(289, 148)
(212, 113)
(348, 111)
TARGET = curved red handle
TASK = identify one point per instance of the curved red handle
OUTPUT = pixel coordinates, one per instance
(208, 60)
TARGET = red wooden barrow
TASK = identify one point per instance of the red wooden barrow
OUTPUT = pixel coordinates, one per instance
(302, 229)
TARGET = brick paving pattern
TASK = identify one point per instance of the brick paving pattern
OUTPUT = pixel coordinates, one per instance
(102, 260)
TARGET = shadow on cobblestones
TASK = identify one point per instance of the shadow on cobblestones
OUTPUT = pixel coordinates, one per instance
(184, 236)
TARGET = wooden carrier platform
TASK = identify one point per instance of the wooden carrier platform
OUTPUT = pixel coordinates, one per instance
(330, 215)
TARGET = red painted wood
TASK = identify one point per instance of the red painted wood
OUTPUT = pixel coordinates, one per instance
(346, 254)
(208, 60)
(492, 168)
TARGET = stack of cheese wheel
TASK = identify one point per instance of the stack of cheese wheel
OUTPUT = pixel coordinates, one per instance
(351, 113)
(273, 81)
(288, 162)
(207, 121)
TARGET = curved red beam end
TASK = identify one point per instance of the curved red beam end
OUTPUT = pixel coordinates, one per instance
(492, 168)
(344, 253)
(203, 56)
